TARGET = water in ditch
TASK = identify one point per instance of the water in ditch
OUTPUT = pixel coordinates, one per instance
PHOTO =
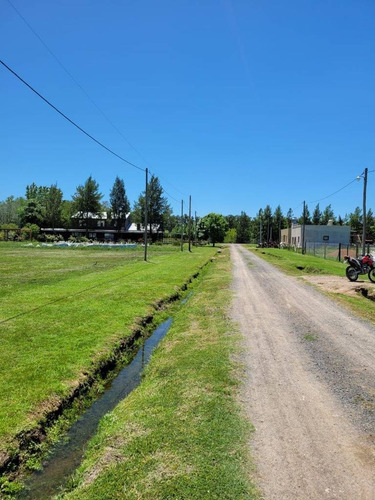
(68, 454)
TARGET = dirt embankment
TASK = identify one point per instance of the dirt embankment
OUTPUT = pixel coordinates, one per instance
(309, 388)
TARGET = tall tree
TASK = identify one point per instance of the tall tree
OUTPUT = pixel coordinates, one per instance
(214, 226)
(86, 201)
(278, 223)
(157, 205)
(119, 202)
(356, 220)
(53, 206)
(10, 209)
(305, 217)
(267, 217)
(328, 215)
(243, 228)
(317, 216)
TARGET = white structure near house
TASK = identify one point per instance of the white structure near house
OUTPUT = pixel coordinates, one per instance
(323, 234)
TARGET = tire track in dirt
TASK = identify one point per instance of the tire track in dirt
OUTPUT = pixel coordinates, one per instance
(309, 388)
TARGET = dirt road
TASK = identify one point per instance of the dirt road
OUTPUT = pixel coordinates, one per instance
(309, 388)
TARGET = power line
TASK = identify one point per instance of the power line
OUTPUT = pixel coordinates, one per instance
(321, 199)
(68, 119)
(74, 79)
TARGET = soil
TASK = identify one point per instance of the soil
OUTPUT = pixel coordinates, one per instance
(340, 284)
(309, 386)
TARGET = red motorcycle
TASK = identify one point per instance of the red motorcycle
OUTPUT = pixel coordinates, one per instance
(362, 265)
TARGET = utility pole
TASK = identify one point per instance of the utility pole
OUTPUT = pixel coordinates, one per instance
(146, 210)
(195, 228)
(364, 212)
(189, 223)
(260, 227)
(303, 227)
(182, 225)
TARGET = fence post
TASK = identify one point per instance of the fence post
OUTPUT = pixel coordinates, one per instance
(339, 252)
(325, 251)
(356, 251)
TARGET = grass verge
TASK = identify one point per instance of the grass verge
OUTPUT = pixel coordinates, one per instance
(297, 264)
(63, 312)
(180, 434)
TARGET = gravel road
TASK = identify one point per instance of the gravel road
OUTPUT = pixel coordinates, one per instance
(309, 386)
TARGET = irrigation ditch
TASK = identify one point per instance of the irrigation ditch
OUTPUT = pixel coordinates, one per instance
(35, 445)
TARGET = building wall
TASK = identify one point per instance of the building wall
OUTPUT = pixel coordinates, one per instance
(320, 234)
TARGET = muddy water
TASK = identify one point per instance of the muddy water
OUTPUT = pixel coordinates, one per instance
(68, 454)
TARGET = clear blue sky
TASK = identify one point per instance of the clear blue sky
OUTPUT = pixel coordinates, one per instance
(240, 103)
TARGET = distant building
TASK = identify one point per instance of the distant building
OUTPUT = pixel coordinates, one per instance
(102, 228)
(329, 234)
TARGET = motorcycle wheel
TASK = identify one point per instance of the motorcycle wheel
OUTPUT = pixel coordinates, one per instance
(352, 273)
(371, 275)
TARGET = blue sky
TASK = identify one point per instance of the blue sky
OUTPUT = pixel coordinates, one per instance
(238, 103)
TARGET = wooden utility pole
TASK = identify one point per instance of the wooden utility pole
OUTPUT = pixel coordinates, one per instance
(146, 210)
(195, 229)
(364, 212)
(189, 223)
(303, 227)
(182, 225)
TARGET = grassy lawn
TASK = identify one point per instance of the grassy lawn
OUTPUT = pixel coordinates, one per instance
(63, 310)
(298, 265)
(180, 434)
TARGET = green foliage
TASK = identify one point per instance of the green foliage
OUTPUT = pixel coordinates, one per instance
(356, 220)
(213, 227)
(9, 489)
(86, 201)
(243, 228)
(230, 236)
(119, 202)
(328, 215)
(317, 215)
(53, 206)
(9, 210)
(158, 206)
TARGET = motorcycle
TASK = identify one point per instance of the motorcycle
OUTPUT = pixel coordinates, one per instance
(362, 265)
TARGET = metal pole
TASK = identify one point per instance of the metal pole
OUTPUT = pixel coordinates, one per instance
(364, 212)
(146, 210)
(182, 225)
(189, 223)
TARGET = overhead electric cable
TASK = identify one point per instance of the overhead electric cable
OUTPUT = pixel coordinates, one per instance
(74, 80)
(321, 199)
(69, 120)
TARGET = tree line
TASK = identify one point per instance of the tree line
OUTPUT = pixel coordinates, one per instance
(44, 206)
(267, 224)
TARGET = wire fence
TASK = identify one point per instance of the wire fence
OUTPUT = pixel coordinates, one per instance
(335, 251)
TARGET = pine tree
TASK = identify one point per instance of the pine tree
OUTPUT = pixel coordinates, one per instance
(86, 200)
(317, 215)
(157, 205)
(119, 202)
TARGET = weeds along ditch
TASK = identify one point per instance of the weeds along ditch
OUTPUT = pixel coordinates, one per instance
(67, 317)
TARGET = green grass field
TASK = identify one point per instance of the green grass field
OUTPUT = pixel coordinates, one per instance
(63, 310)
(180, 434)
